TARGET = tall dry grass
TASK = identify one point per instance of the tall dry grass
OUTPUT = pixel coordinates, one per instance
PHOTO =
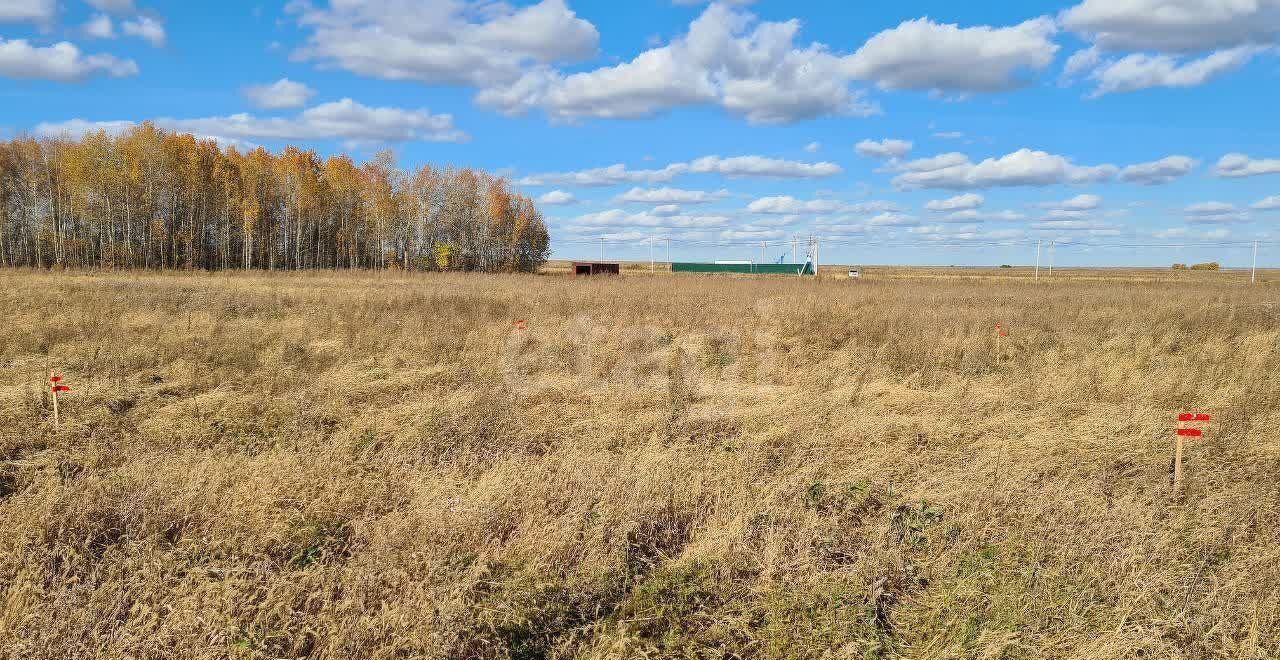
(358, 466)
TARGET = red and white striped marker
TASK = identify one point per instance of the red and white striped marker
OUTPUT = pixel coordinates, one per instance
(1184, 432)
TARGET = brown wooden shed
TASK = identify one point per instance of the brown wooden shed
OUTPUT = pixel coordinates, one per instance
(596, 268)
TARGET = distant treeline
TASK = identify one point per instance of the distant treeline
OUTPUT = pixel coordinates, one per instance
(148, 198)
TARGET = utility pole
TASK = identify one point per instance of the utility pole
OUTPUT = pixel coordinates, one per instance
(812, 255)
(1053, 248)
(763, 258)
(651, 255)
(1038, 258)
(793, 248)
(1253, 272)
(601, 249)
(669, 253)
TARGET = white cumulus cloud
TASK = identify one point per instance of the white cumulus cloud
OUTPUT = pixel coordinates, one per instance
(611, 175)
(1077, 203)
(557, 198)
(443, 41)
(344, 120)
(283, 93)
(891, 219)
(1167, 43)
(1024, 167)
(1142, 71)
(146, 28)
(1174, 25)
(27, 11)
(727, 58)
(668, 195)
(1158, 172)
(736, 167)
(886, 148)
(921, 54)
(100, 27)
(973, 215)
(1214, 212)
(62, 62)
(1081, 62)
(1271, 203)
(762, 167)
(788, 205)
(963, 202)
(1240, 165)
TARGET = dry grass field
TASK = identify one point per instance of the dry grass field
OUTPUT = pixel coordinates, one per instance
(384, 466)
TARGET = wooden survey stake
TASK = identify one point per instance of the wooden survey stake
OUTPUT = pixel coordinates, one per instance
(1184, 432)
(56, 386)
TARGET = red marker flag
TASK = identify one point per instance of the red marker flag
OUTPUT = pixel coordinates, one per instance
(1193, 417)
(61, 388)
(1001, 332)
(55, 379)
(1193, 433)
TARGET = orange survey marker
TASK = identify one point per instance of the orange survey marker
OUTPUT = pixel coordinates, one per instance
(520, 325)
(1184, 432)
(1000, 334)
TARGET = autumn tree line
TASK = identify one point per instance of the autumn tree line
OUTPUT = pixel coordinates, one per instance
(149, 198)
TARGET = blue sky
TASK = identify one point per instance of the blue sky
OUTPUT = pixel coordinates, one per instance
(1124, 131)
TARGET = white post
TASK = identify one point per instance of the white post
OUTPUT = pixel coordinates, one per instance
(1177, 461)
(815, 258)
(669, 253)
(1037, 258)
(1053, 249)
(763, 258)
(1253, 272)
(793, 249)
(54, 387)
(651, 255)
(602, 249)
